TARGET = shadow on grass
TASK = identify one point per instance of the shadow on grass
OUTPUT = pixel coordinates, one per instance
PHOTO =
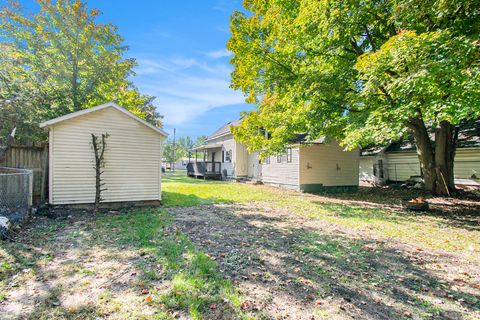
(469, 220)
(455, 212)
(362, 277)
(154, 258)
(195, 284)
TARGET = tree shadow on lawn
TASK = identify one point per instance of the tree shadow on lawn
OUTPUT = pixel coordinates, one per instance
(469, 220)
(352, 210)
(31, 290)
(323, 272)
(110, 264)
(464, 210)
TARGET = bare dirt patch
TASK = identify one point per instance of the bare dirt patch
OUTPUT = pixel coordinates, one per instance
(292, 267)
(70, 270)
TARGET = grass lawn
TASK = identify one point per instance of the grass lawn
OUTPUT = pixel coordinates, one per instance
(370, 210)
(224, 250)
(131, 265)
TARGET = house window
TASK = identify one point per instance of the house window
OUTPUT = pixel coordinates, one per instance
(267, 160)
(228, 156)
(289, 155)
(279, 158)
(223, 156)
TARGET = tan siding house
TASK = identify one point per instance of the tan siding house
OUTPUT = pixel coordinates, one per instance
(328, 165)
(310, 167)
(313, 167)
(133, 156)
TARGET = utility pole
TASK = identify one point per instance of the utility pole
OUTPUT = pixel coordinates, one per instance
(174, 132)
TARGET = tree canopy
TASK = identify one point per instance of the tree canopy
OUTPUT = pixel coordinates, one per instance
(61, 60)
(359, 71)
(182, 147)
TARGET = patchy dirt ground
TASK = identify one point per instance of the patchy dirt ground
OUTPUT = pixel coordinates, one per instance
(291, 267)
(70, 272)
(287, 255)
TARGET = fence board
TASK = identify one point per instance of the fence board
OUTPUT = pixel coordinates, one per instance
(32, 157)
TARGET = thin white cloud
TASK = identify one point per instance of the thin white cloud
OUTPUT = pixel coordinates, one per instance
(186, 88)
(148, 67)
(219, 54)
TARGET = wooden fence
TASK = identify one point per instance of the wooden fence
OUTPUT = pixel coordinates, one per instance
(32, 157)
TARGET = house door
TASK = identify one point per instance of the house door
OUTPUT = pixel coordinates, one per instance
(257, 167)
(254, 166)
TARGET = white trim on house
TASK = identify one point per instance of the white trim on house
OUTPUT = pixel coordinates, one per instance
(97, 108)
(207, 146)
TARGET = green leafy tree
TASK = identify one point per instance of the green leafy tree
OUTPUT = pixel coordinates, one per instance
(186, 143)
(173, 153)
(361, 72)
(61, 60)
(200, 141)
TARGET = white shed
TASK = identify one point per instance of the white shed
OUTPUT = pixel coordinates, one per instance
(133, 157)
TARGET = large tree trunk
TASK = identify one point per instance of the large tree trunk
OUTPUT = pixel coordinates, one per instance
(445, 146)
(436, 162)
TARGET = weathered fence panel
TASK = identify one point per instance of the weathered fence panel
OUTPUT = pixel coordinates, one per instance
(34, 158)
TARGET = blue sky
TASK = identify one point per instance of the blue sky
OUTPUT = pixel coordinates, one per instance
(180, 49)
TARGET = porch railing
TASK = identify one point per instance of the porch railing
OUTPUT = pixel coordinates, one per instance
(204, 168)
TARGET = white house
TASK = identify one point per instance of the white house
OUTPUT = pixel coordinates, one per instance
(398, 162)
(312, 167)
(133, 157)
(223, 157)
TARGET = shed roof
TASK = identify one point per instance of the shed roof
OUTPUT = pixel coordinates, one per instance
(97, 108)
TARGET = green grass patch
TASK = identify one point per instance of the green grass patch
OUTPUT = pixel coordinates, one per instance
(196, 284)
(186, 191)
(419, 229)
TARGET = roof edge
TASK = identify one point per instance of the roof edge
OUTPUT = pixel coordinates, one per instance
(219, 135)
(97, 108)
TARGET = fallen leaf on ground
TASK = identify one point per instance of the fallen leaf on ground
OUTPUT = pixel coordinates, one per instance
(246, 305)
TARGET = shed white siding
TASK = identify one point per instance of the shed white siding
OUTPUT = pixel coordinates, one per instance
(366, 168)
(328, 165)
(283, 174)
(403, 165)
(132, 159)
